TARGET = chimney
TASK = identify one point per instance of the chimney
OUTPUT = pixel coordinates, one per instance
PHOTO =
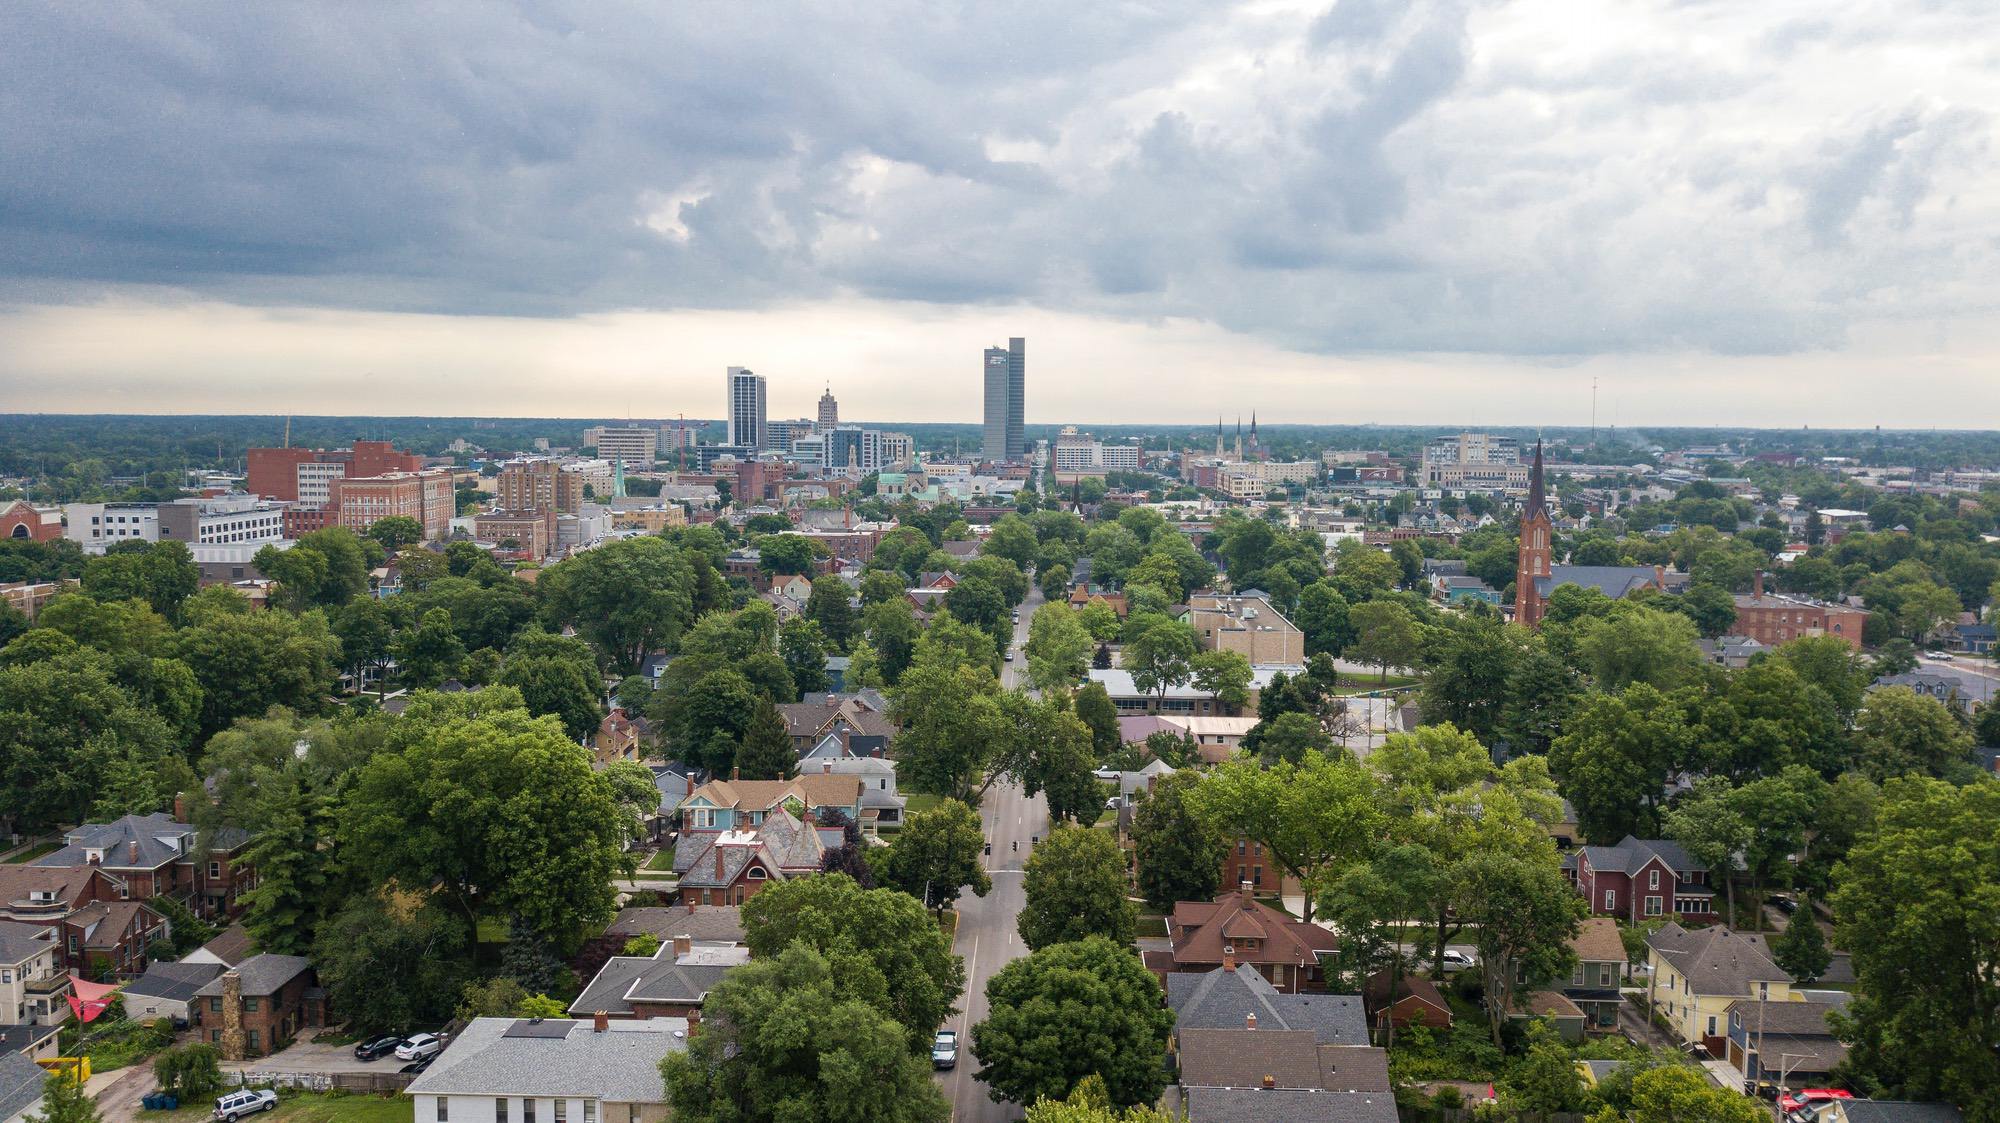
(694, 1021)
(599, 1022)
(132, 852)
(1249, 1021)
(180, 809)
(1229, 959)
(1757, 585)
(831, 701)
(826, 768)
(1270, 1082)
(690, 905)
(1660, 578)
(735, 773)
(718, 863)
(683, 945)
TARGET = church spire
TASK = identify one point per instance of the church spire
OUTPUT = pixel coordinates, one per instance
(1538, 500)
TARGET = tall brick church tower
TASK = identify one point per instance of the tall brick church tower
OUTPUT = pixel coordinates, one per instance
(1536, 535)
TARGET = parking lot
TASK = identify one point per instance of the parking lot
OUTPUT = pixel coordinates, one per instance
(312, 1058)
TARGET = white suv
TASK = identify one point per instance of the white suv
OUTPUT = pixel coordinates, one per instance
(236, 1105)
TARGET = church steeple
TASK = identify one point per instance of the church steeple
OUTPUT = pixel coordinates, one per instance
(1537, 535)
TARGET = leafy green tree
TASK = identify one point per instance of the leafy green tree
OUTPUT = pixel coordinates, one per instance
(1012, 538)
(951, 725)
(1544, 1080)
(864, 667)
(1058, 648)
(66, 727)
(1526, 913)
(1766, 719)
(1782, 811)
(1615, 759)
(630, 597)
(881, 944)
(1362, 573)
(431, 652)
(878, 586)
(294, 855)
(1638, 644)
(1072, 1011)
(1469, 668)
(1224, 676)
(1801, 948)
(558, 687)
(786, 554)
(1322, 616)
(246, 663)
(1091, 1103)
(392, 962)
(783, 1039)
(1289, 737)
(892, 627)
(828, 607)
(1179, 853)
(1370, 902)
(495, 808)
(1100, 620)
(1541, 689)
(396, 532)
(190, 1072)
(714, 710)
(938, 854)
(803, 647)
(65, 1101)
(1900, 731)
(163, 574)
(1709, 825)
(1313, 817)
(1386, 635)
(1095, 709)
(1161, 657)
(1914, 906)
(1075, 888)
(1683, 1094)
(767, 753)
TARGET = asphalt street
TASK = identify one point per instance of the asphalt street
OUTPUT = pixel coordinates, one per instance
(986, 925)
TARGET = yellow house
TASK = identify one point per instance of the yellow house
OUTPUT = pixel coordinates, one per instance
(1697, 974)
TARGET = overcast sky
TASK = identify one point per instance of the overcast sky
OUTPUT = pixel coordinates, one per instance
(1768, 213)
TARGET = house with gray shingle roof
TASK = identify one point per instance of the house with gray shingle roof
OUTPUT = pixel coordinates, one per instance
(599, 1071)
(167, 990)
(673, 982)
(1227, 999)
(21, 1081)
(1697, 975)
(258, 1006)
(728, 867)
(1642, 879)
(156, 855)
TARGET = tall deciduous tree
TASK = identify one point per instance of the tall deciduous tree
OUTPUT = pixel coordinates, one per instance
(1385, 635)
(1179, 853)
(1071, 1011)
(1058, 648)
(1614, 760)
(1224, 676)
(881, 944)
(1075, 887)
(1526, 913)
(1161, 657)
(803, 647)
(783, 1039)
(1900, 731)
(936, 855)
(828, 607)
(1918, 907)
(1313, 817)
(392, 961)
(630, 597)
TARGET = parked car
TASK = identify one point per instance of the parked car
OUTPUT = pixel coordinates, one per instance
(418, 1046)
(376, 1047)
(944, 1049)
(1456, 961)
(1809, 1098)
(1939, 656)
(417, 1067)
(236, 1105)
(1784, 904)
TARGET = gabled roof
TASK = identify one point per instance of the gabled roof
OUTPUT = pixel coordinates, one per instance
(812, 789)
(21, 1081)
(19, 942)
(1281, 1105)
(715, 923)
(663, 977)
(261, 975)
(1631, 855)
(1243, 1058)
(1409, 986)
(157, 837)
(1599, 942)
(17, 881)
(1224, 999)
(232, 945)
(556, 1058)
(176, 982)
(1714, 960)
(782, 845)
(1614, 581)
(1258, 933)
(1898, 1111)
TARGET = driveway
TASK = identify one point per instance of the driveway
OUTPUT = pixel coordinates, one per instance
(313, 1057)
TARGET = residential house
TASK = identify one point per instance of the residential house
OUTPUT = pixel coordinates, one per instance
(708, 923)
(1257, 1104)
(1784, 1041)
(881, 807)
(859, 718)
(257, 1007)
(230, 946)
(1216, 738)
(34, 990)
(673, 982)
(1945, 688)
(1600, 965)
(1978, 639)
(728, 867)
(1236, 929)
(21, 1084)
(550, 1070)
(110, 938)
(1182, 700)
(1463, 589)
(616, 739)
(1697, 975)
(153, 855)
(1253, 1057)
(1553, 1008)
(36, 1042)
(1733, 652)
(675, 781)
(1229, 998)
(1414, 1001)
(167, 990)
(1775, 618)
(1642, 879)
(1244, 864)
(741, 805)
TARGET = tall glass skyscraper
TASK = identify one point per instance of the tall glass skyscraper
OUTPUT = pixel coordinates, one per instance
(746, 409)
(1006, 387)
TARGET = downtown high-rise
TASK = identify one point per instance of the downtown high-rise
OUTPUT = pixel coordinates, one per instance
(746, 409)
(1006, 388)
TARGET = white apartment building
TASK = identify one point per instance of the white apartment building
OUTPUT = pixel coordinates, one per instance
(636, 448)
(1081, 454)
(1474, 460)
(229, 520)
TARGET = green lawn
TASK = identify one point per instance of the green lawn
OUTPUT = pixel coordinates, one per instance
(307, 1107)
(39, 850)
(1151, 924)
(664, 860)
(921, 801)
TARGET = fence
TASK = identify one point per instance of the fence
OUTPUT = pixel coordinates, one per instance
(374, 1083)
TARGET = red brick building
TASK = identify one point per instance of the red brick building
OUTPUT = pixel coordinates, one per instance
(20, 521)
(428, 497)
(1774, 618)
(1235, 929)
(1537, 538)
(257, 1007)
(151, 856)
(1245, 863)
(275, 473)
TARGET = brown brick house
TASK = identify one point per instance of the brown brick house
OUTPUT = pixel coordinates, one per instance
(156, 856)
(1417, 1001)
(1245, 865)
(50, 897)
(109, 938)
(1236, 929)
(259, 1006)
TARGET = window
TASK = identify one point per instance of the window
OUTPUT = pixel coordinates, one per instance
(444, 1113)
(590, 1111)
(249, 1004)
(214, 870)
(215, 1005)
(1653, 879)
(562, 1111)
(1606, 975)
(1610, 900)
(527, 1111)
(1711, 1025)
(250, 1039)
(1653, 906)
(500, 1109)
(631, 1113)
(756, 873)
(1763, 992)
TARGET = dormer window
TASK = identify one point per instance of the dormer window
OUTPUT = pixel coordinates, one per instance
(756, 873)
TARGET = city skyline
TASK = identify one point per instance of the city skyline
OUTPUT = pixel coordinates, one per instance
(1345, 211)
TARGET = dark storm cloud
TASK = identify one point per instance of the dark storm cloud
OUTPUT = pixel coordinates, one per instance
(1361, 177)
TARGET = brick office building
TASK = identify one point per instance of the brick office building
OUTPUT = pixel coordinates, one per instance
(427, 497)
(304, 475)
(1775, 618)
